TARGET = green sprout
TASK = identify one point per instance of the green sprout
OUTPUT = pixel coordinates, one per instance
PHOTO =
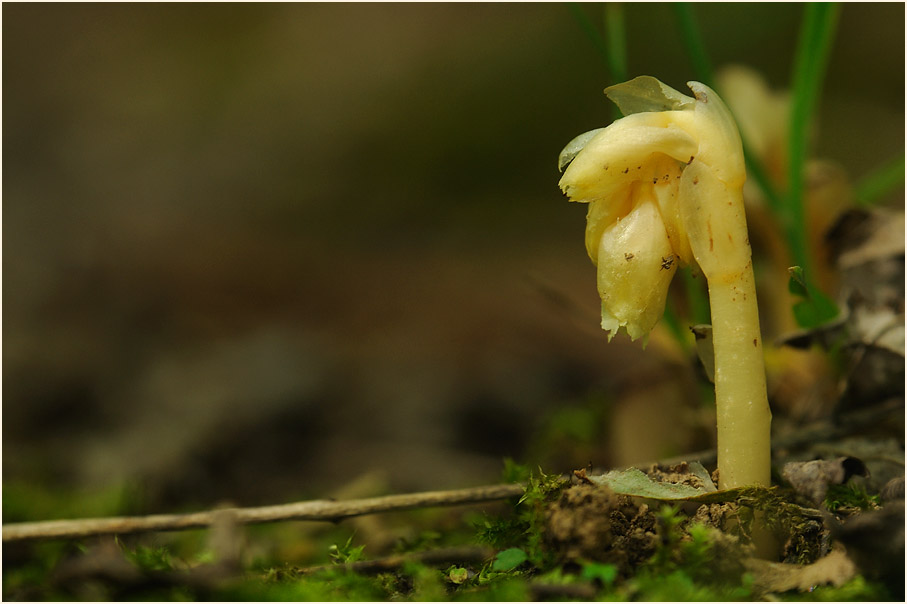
(664, 185)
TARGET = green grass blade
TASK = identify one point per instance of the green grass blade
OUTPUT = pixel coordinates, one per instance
(591, 32)
(881, 181)
(613, 49)
(813, 49)
(616, 31)
(692, 39)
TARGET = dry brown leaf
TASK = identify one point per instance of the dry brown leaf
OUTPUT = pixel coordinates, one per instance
(774, 577)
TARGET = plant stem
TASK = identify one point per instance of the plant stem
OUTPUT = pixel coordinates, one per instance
(744, 417)
(715, 221)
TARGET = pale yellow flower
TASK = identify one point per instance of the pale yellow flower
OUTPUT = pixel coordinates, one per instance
(644, 177)
(665, 187)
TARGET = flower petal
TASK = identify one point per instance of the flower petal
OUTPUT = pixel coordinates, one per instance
(619, 154)
(602, 214)
(635, 267)
(574, 147)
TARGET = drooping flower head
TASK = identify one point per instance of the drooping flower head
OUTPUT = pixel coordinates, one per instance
(652, 180)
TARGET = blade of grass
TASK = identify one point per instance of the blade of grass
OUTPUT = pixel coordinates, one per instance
(617, 41)
(593, 34)
(813, 50)
(881, 181)
(692, 39)
(612, 49)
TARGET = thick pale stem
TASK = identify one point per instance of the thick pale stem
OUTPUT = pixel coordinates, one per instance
(744, 417)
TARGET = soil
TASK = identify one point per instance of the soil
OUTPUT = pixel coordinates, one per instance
(594, 523)
(676, 474)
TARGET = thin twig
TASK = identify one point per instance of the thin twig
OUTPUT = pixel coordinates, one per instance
(325, 510)
(322, 510)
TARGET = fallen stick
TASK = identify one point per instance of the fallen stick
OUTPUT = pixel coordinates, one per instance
(326, 510)
(319, 510)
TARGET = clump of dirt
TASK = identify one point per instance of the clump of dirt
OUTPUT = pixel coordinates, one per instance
(717, 515)
(593, 523)
(678, 474)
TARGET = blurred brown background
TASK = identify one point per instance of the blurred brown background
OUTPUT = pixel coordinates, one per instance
(251, 252)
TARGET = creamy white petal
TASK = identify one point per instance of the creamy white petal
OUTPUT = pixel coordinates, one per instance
(635, 267)
(574, 147)
(602, 214)
(623, 153)
(667, 193)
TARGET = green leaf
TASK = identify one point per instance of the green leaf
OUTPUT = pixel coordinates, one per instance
(634, 482)
(645, 93)
(815, 308)
(509, 559)
(797, 283)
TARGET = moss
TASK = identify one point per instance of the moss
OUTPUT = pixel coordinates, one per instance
(680, 586)
(686, 560)
(841, 497)
(524, 525)
(857, 589)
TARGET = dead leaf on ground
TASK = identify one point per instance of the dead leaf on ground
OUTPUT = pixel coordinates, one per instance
(774, 577)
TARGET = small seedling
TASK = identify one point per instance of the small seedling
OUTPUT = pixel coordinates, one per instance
(345, 554)
(664, 186)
